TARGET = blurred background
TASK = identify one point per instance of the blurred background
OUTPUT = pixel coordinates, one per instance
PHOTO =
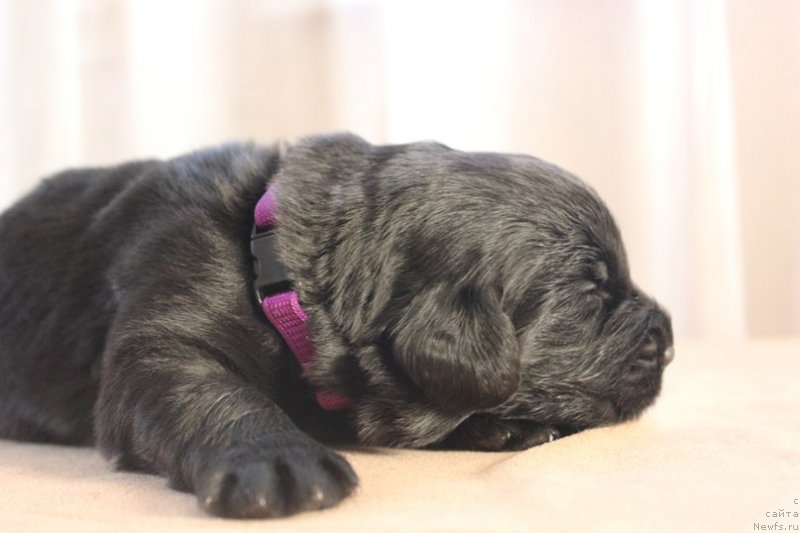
(684, 115)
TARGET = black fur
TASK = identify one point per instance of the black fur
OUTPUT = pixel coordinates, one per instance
(466, 300)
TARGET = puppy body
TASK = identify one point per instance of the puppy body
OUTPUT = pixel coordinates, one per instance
(468, 300)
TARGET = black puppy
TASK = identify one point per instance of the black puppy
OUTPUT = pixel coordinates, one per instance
(455, 299)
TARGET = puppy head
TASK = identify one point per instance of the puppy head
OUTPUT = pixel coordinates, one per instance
(444, 284)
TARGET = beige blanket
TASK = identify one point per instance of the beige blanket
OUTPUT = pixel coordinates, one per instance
(719, 452)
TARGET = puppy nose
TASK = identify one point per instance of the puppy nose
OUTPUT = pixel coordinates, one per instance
(657, 345)
(669, 355)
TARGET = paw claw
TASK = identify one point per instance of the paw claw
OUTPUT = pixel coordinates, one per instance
(278, 477)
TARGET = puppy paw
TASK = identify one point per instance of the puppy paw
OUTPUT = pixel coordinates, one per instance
(280, 475)
(529, 435)
(487, 433)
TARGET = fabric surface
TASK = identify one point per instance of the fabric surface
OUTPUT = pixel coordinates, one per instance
(719, 452)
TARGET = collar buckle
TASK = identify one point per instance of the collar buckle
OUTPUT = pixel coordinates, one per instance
(271, 275)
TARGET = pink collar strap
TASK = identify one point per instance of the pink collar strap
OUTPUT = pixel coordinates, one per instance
(279, 302)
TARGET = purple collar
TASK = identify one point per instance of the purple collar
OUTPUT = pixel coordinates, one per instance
(279, 302)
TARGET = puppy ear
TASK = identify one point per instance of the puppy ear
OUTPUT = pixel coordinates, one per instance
(459, 347)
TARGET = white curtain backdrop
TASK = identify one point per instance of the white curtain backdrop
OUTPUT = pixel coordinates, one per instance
(684, 115)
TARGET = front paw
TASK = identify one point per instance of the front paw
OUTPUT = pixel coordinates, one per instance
(279, 475)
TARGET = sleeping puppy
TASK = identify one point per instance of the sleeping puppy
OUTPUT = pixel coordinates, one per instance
(458, 300)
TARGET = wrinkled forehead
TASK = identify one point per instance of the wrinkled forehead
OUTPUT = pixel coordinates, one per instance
(518, 201)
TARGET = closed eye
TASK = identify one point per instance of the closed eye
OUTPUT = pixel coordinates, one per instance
(598, 285)
(600, 273)
(597, 293)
